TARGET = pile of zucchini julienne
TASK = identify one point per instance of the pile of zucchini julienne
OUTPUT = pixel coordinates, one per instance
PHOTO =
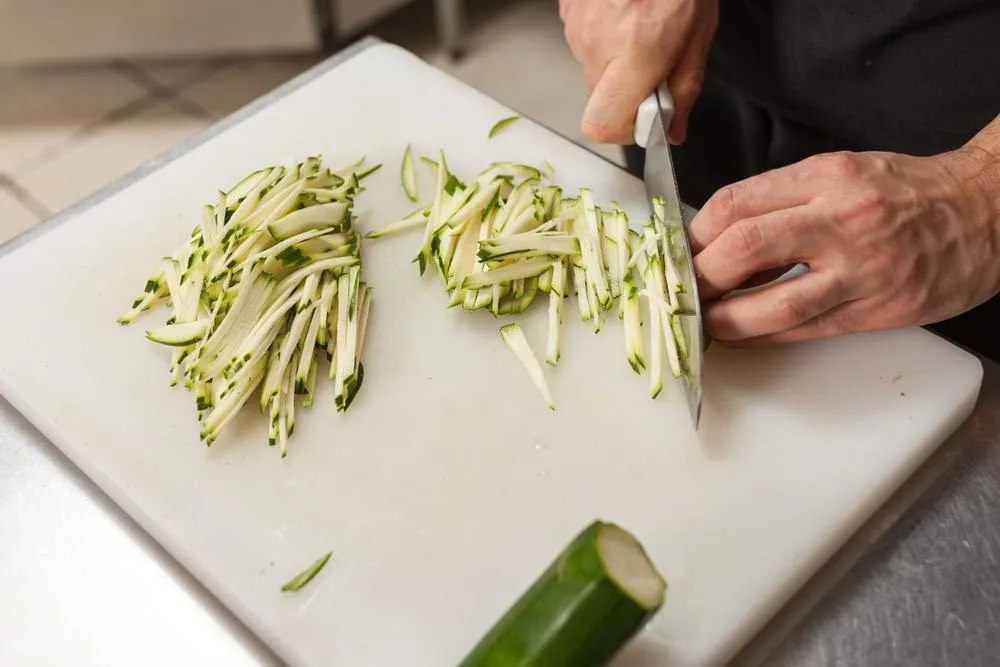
(505, 238)
(268, 281)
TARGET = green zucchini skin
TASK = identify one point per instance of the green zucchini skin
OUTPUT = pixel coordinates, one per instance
(573, 615)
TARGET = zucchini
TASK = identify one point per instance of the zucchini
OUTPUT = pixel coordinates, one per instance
(591, 248)
(251, 292)
(591, 600)
(632, 322)
(411, 221)
(322, 216)
(548, 170)
(556, 293)
(513, 336)
(368, 172)
(656, 343)
(529, 245)
(180, 334)
(408, 175)
(529, 268)
(305, 576)
(247, 185)
(501, 124)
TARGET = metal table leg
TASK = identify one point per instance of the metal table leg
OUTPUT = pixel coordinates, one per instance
(326, 26)
(449, 20)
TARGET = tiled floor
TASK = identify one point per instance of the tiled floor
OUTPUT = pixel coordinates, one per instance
(67, 131)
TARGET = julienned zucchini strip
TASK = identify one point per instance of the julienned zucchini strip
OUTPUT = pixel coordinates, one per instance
(515, 339)
(268, 283)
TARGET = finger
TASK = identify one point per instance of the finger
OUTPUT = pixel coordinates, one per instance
(775, 309)
(770, 191)
(610, 113)
(750, 246)
(834, 322)
(685, 82)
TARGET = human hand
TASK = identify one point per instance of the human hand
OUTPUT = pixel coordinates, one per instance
(627, 47)
(890, 240)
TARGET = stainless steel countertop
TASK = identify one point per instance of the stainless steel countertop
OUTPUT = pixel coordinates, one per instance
(82, 584)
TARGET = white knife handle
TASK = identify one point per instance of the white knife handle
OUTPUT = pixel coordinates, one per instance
(649, 110)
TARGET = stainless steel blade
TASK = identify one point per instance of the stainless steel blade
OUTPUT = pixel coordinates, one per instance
(661, 182)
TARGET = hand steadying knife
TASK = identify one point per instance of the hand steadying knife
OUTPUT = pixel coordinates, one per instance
(804, 147)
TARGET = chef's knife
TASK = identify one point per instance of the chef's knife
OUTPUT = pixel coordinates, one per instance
(651, 124)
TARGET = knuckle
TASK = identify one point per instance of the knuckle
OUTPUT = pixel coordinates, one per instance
(583, 41)
(871, 202)
(725, 202)
(843, 164)
(691, 84)
(791, 311)
(748, 238)
(601, 131)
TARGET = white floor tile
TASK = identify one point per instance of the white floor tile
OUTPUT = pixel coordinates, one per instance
(49, 30)
(177, 73)
(239, 83)
(40, 108)
(14, 217)
(108, 153)
(521, 59)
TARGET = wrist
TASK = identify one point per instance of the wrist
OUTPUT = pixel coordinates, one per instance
(973, 196)
(976, 171)
(985, 161)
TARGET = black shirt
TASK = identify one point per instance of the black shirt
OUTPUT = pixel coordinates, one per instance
(912, 76)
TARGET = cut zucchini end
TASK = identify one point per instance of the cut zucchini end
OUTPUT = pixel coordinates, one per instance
(591, 600)
(630, 568)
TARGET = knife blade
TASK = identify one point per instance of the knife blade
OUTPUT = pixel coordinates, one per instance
(652, 120)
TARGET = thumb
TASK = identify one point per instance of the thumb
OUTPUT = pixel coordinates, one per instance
(610, 113)
(686, 80)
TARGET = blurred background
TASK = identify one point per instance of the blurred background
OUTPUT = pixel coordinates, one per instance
(90, 90)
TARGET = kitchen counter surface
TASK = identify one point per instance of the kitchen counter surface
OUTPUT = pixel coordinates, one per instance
(82, 584)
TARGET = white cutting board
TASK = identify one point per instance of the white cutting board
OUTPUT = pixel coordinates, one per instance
(449, 486)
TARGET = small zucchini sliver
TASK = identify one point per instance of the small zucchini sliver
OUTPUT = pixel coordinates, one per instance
(306, 575)
(408, 174)
(591, 601)
(501, 124)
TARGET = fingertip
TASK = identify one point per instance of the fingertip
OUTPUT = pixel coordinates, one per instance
(602, 125)
(677, 134)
